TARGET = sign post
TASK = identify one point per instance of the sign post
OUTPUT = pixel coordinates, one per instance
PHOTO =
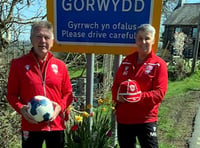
(101, 26)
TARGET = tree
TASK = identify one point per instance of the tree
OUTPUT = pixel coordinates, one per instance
(168, 6)
(15, 15)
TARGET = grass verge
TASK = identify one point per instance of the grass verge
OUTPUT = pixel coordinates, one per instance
(177, 112)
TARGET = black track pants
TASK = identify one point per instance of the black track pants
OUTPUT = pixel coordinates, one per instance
(146, 134)
(53, 139)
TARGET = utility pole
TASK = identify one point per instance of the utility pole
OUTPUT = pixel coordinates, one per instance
(196, 47)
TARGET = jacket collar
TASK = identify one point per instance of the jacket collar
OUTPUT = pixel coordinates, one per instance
(31, 53)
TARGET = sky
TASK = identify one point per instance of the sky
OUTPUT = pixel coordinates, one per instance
(38, 6)
(192, 1)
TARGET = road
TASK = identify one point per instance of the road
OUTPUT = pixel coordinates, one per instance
(194, 142)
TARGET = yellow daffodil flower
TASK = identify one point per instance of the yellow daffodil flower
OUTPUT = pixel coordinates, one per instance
(100, 101)
(85, 114)
(89, 106)
(78, 118)
(104, 109)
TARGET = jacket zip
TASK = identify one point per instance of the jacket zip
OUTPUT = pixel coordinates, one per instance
(43, 82)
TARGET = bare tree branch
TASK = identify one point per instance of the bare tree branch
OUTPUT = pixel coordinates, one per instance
(14, 15)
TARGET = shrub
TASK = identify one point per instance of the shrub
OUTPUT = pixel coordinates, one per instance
(178, 69)
(10, 128)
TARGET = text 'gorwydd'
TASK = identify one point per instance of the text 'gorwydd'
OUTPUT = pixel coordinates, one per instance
(103, 5)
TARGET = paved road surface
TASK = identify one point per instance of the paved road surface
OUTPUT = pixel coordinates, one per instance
(194, 142)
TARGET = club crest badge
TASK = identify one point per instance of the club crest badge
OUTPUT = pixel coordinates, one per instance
(27, 67)
(148, 69)
(54, 68)
(126, 70)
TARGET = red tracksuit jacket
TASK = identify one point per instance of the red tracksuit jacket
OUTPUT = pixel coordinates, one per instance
(152, 78)
(28, 78)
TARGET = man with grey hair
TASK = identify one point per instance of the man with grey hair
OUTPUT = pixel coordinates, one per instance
(139, 87)
(40, 73)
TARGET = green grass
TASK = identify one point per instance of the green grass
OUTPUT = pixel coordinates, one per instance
(179, 87)
(80, 71)
(73, 72)
(173, 101)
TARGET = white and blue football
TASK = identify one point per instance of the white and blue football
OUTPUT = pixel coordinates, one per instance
(40, 108)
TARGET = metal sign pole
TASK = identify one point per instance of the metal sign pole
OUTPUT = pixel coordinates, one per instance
(117, 62)
(90, 82)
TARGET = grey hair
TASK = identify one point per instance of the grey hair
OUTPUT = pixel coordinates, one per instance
(42, 24)
(147, 28)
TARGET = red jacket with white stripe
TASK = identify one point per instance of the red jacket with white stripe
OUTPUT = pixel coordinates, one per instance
(152, 78)
(28, 78)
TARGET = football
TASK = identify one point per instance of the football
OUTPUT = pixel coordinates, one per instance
(40, 108)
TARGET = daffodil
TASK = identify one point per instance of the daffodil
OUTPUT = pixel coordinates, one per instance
(89, 106)
(85, 114)
(103, 109)
(80, 133)
(100, 101)
(70, 108)
(78, 118)
(106, 100)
